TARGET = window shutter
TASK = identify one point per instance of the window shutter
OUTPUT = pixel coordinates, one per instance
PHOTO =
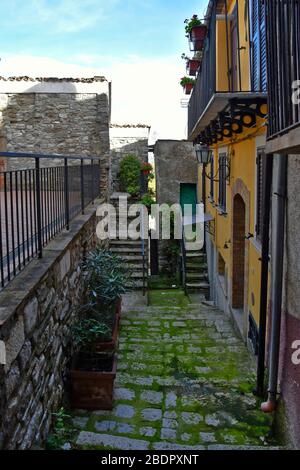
(259, 51)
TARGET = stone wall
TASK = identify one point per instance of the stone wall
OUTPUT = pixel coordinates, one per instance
(55, 118)
(37, 312)
(175, 163)
(126, 140)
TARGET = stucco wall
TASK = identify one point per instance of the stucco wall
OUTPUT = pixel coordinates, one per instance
(175, 163)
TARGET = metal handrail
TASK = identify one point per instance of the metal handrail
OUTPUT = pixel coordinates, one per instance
(143, 253)
(37, 203)
(183, 260)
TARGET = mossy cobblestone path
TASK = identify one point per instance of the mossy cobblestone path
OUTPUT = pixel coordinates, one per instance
(184, 381)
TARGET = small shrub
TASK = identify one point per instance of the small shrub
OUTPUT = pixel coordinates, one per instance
(62, 430)
(130, 175)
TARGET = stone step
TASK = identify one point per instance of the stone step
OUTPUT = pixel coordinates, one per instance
(200, 276)
(138, 275)
(195, 255)
(196, 266)
(126, 242)
(122, 249)
(201, 286)
(135, 266)
(132, 258)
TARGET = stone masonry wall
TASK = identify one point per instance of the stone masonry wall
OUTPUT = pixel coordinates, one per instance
(37, 312)
(60, 120)
(124, 141)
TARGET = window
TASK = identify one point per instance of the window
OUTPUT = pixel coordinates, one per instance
(259, 193)
(222, 181)
(212, 171)
(258, 45)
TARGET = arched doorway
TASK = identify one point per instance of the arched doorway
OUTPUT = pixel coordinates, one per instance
(238, 259)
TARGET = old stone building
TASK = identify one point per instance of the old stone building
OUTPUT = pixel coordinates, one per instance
(127, 139)
(55, 116)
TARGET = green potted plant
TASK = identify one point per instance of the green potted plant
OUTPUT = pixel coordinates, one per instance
(192, 65)
(107, 279)
(130, 173)
(147, 200)
(188, 84)
(196, 31)
(92, 373)
(95, 335)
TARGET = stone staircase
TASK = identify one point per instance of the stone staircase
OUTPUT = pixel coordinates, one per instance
(196, 279)
(131, 250)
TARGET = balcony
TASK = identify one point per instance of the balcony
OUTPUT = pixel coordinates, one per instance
(283, 39)
(223, 102)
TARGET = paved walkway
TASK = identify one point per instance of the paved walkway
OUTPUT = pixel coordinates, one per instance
(184, 382)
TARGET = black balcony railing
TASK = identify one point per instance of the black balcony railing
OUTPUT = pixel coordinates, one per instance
(206, 81)
(38, 203)
(283, 53)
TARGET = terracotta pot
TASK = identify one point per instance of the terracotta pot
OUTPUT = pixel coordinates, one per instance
(188, 88)
(112, 344)
(193, 67)
(92, 390)
(197, 36)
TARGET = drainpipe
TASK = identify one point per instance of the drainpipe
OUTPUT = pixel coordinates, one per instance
(204, 200)
(267, 188)
(277, 283)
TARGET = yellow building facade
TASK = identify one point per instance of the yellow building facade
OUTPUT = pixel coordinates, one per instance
(232, 123)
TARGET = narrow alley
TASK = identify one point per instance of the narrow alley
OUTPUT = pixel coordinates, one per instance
(184, 381)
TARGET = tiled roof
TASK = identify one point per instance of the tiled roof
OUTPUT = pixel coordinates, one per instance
(53, 79)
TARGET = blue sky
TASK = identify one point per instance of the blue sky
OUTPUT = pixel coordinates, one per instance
(95, 35)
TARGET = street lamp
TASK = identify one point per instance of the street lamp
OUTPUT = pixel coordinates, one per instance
(203, 154)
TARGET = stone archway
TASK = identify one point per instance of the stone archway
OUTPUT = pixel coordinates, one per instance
(241, 201)
(239, 252)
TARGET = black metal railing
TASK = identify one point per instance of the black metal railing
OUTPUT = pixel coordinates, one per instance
(206, 80)
(283, 55)
(38, 203)
(183, 261)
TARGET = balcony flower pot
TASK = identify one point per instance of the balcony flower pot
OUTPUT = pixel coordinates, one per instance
(111, 344)
(146, 168)
(197, 36)
(187, 83)
(92, 381)
(188, 88)
(193, 66)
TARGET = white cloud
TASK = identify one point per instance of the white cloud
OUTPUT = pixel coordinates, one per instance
(143, 90)
(61, 16)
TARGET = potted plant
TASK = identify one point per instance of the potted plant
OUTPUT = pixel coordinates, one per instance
(95, 335)
(92, 373)
(192, 65)
(188, 84)
(107, 279)
(146, 168)
(147, 200)
(196, 31)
